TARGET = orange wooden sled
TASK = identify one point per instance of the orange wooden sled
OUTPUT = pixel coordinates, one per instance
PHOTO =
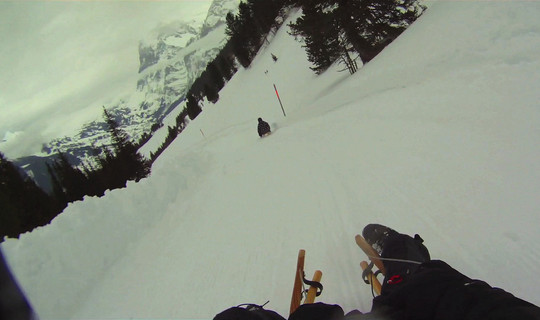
(371, 278)
(298, 289)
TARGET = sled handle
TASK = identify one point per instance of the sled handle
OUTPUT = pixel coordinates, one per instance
(296, 298)
(312, 292)
(370, 252)
(372, 278)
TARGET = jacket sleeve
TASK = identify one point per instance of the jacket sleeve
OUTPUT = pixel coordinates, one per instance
(13, 303)
(437, 291)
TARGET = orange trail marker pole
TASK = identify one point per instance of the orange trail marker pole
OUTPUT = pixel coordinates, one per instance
(279, 99)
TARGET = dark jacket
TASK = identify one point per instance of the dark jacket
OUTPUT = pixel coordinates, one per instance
(263, 127)
(13, 303)
(437, 291)
(434, 292)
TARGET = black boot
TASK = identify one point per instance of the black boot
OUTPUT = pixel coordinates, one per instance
(400, 253)
(376, 235)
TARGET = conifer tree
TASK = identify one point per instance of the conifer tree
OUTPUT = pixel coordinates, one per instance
(192, 106)
(215, 76)
(225, 63)
(131, 165)
(108, 173)
(57, 189)
(12, 214)
(234, 26)
(72, 182)
(24, 205)
(265, 13)
(96, 182)
(333, 29)
(249, 28)
(370, 25)
(211, 93)
(238, 40)
(320, 32)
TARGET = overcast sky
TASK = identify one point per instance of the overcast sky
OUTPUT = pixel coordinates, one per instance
(60, 61)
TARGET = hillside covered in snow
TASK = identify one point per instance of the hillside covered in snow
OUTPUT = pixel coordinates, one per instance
(172, 56)
(438, 135)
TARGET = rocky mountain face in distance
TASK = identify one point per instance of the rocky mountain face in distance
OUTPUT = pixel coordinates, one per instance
(216, 14)
(171, 58)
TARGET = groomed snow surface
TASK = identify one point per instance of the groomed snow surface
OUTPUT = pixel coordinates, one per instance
(438, 135)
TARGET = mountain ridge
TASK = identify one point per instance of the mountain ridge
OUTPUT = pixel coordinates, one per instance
(169, 62)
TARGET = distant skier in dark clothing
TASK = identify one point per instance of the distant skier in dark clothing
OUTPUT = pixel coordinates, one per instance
(263, 128)
(418, 288)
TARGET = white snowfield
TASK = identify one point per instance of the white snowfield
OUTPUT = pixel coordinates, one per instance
(439, 135)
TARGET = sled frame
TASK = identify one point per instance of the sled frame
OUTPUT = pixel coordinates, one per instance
(374, 257)
(298, 288)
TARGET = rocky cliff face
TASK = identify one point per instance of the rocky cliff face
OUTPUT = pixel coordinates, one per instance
(164, 76)
(171, 58)
(217, 13)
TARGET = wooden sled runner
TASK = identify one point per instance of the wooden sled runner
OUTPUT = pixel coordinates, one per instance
(368, 274)
(315, 287)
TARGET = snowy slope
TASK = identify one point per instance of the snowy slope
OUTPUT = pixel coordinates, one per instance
(438, 135)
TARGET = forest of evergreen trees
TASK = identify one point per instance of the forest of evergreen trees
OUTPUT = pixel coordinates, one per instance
(347, 32)
(25, 206)
(342, 31)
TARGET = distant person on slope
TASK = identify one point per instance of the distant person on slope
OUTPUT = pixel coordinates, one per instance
(263, 128)
(415, 288)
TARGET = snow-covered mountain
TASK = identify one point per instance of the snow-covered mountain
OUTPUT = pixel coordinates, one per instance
(171, 57)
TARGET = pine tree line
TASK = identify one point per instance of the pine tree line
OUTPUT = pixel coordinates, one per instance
(25, 206)
(248, 31)
(332, 30)
(344, 30)
(112, 168)
(249, 28)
